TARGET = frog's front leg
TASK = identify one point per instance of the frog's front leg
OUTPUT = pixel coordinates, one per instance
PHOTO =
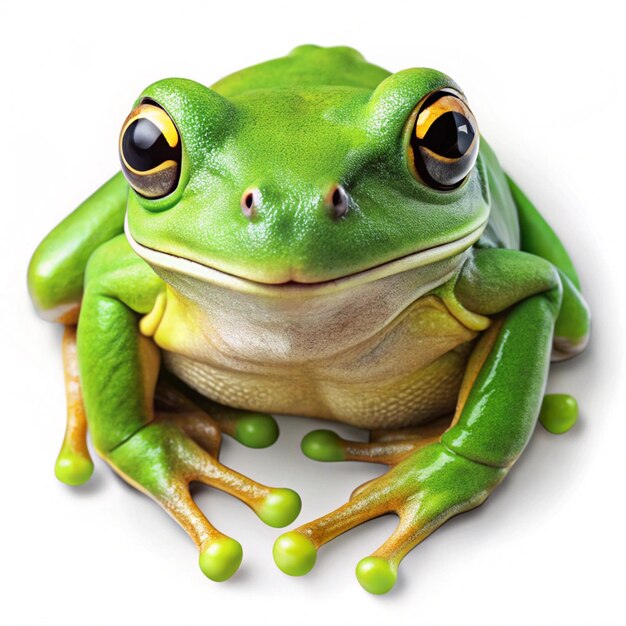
(498, 406)
(159, 453)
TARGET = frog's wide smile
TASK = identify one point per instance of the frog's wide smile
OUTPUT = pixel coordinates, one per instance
(292, 288)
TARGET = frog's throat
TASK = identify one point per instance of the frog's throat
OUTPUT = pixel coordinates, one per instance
(206, 274)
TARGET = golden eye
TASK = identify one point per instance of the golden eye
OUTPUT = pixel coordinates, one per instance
(444, 140)
(150, 151)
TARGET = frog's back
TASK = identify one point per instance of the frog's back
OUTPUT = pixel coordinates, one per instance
(305, 66)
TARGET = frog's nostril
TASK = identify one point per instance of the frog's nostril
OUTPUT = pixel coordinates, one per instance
(249, 202)
(338, 201)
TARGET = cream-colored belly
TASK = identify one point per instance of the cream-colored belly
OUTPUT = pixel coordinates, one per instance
(400, 378)
(381, 353)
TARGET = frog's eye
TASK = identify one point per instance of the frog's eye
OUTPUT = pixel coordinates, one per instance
(150, 151)
(444, 140)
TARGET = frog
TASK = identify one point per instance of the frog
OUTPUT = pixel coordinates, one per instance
(312, 236)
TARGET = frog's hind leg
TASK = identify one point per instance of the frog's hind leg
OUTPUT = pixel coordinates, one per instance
(57, 269)
(74, 465)
(571, 331)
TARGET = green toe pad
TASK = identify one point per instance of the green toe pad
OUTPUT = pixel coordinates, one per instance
(559, 412)
(294, 554)
(280, 508)
(323, 445)
(73, 469)
(256, 430)
(376, 575)
(221, 559)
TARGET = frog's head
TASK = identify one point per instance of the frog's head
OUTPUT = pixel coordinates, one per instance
(292, 186)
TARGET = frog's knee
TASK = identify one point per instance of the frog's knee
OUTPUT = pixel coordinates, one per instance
(54, 288)
(573, 324)
(564, 348)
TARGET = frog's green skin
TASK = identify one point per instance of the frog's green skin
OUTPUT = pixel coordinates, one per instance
(369, 319)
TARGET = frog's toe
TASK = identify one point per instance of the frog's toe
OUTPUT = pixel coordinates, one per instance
(559, 413)
(72, 467)
(276, 506)
(388, 447)
(255, 430)
(220, 558)
(294, 553)
(280, 508)
(323, 445)
(376, 575)
(326, 445)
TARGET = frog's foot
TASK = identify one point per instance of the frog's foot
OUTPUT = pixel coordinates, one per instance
(425, 488)
(74, 465)
(165, 456)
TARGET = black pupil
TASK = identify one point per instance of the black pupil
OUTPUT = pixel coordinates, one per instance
(450, 135)
(145, 147)
(337, 197)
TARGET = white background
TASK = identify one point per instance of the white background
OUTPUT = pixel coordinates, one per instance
(547, 548)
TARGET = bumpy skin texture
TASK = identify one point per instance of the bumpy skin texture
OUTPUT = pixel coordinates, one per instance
(428, 316)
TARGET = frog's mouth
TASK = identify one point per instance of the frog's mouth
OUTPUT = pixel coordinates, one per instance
(164, 262)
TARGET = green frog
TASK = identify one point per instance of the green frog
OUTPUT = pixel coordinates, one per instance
(310, 236)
